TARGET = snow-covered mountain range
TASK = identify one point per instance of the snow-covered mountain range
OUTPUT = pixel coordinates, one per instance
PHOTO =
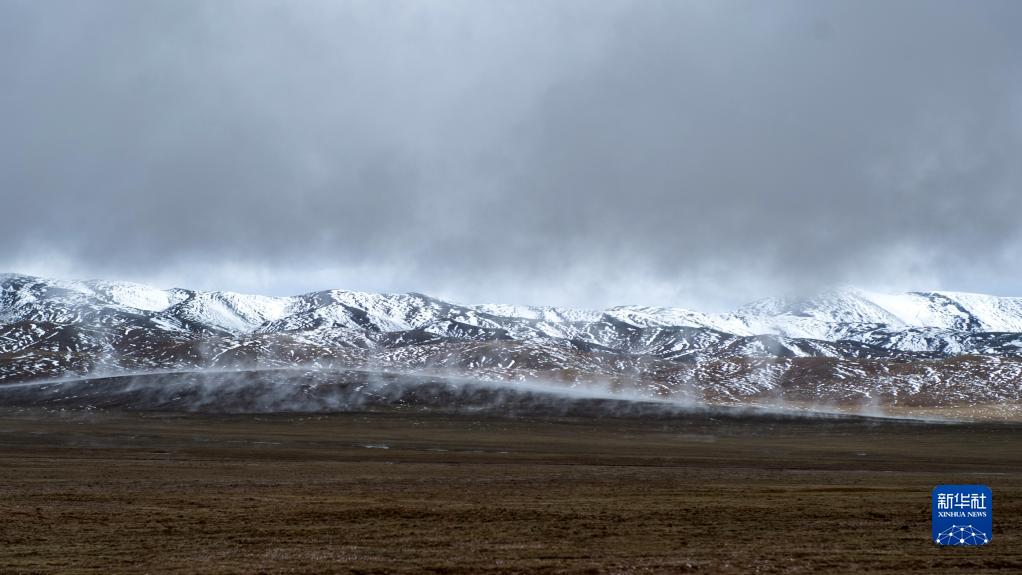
(841, 345)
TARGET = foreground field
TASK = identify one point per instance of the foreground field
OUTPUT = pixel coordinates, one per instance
(413, 491)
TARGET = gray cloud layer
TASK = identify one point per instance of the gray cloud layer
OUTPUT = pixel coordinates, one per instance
(565, 152)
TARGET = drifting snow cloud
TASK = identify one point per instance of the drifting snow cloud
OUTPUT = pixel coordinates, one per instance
(534, 152)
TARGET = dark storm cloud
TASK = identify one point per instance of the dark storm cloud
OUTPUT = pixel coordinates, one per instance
(540, 152)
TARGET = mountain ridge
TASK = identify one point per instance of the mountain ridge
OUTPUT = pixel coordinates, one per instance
(840, 345)
(950, 310)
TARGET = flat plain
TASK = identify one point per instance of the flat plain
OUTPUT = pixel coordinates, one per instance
(419, 491)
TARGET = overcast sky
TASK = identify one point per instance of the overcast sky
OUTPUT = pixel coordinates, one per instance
(584, 153)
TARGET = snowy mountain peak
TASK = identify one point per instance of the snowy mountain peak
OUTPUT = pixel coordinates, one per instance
(901, 345)
(827, 316)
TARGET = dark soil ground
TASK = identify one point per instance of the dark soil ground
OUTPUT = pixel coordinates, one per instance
(412, 491)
